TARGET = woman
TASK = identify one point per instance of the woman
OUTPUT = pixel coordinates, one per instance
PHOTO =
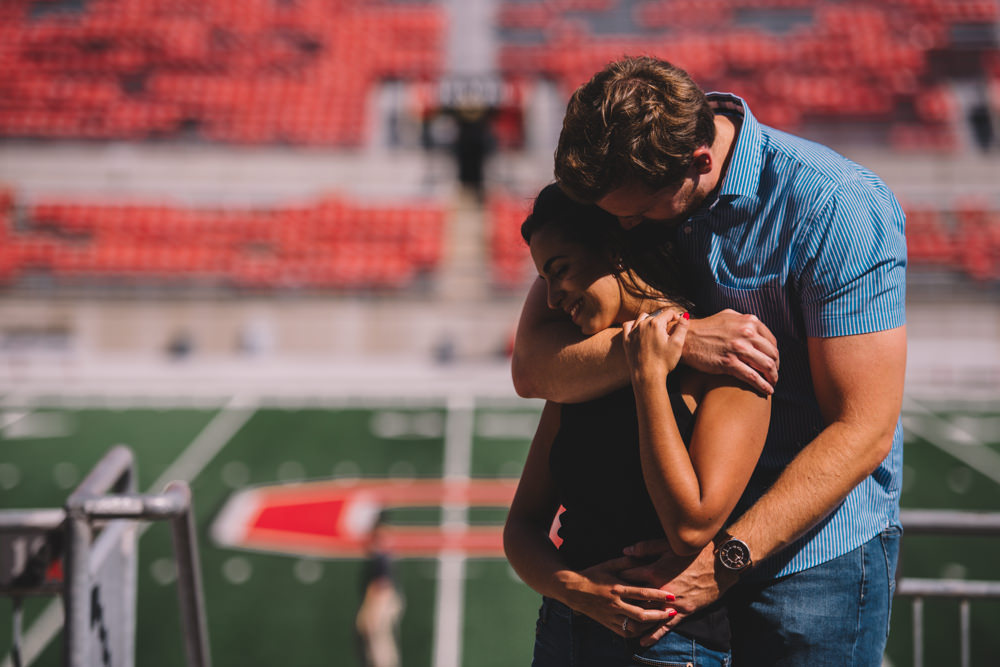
(668, 456)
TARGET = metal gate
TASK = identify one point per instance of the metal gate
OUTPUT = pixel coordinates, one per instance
(954, 523)
(87, 553)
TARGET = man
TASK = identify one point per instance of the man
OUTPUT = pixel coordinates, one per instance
(810, 246)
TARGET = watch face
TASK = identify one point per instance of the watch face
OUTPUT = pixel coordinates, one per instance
(735, 555)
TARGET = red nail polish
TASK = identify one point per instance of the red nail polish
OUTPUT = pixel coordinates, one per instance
(670, 597)
(671, 612)
(686, 316)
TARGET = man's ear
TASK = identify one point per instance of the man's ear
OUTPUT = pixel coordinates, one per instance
(702, 160)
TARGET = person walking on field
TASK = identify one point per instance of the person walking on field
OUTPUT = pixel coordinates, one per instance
(377, 622)
(811, 247)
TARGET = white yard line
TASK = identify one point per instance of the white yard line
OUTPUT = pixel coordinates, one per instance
(449, 610)
(952, 439)
(8, 419)
(206, 445)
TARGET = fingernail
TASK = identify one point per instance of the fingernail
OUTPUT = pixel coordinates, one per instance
(671, 612)
(686, 316)
(671, 598)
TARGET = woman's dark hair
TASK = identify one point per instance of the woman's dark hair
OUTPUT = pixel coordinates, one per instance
(648, 253)
(586, 224)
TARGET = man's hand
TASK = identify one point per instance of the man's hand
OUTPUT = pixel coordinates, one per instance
(734, 344)
(693, 580)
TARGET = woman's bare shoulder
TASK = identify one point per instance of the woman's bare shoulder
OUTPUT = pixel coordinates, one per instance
(698, 385)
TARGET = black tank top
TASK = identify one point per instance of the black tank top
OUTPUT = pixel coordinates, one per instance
(595, 465)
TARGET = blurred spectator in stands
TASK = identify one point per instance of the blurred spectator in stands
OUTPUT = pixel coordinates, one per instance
(463, 128)
(981, 122)
(377, 622)
(180, 346)
(472, 146)
(444, 350)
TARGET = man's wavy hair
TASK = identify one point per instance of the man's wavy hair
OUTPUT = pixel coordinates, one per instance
(639, 120)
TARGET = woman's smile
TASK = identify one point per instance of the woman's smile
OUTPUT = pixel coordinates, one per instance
(574, 309)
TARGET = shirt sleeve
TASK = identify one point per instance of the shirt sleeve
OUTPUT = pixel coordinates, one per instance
(852, 262)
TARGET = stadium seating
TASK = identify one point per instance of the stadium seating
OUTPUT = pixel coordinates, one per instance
(795, 61)
(965, 239)
(328, 244)
(979, 241)
(929, 239)
(240, 71)
(259, 71)
(336, 244)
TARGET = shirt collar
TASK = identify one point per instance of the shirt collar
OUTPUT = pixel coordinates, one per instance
(743, 175)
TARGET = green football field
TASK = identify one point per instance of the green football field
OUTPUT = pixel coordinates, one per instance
(293, 609)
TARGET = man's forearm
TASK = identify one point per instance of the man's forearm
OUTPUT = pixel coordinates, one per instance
(858, 382)
(811, 487)
(553, 360)
(571, 373)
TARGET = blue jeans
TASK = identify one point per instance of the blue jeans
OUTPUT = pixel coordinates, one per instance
(566, 639)
(836, 613)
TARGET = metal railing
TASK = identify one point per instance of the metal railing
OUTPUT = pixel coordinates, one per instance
(96, 537)
(953, 523)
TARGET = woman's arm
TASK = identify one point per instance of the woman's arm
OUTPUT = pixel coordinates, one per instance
(526, 533)
(597, 592)
(694, 488)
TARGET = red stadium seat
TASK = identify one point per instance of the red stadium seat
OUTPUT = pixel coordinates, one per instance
(329, 244)
(510, 261)
(214, 63)
(928, 239)
(847, 60)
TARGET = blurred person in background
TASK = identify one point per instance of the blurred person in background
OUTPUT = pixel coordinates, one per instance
(377, 621)
(811, 245)
(667, 456)
(981, 123)
(473, 145)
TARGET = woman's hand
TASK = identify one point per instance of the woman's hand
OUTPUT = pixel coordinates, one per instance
(627, 610)
(735, 344)
(653, 344)
(694, 579)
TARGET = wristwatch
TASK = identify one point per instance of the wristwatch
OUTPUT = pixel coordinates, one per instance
(733, 554)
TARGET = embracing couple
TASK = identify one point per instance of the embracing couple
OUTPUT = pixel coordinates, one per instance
(714, 514)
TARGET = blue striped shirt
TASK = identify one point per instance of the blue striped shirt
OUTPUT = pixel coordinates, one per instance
(813, 245)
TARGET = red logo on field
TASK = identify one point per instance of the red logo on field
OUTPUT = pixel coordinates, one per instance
(333, 518)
